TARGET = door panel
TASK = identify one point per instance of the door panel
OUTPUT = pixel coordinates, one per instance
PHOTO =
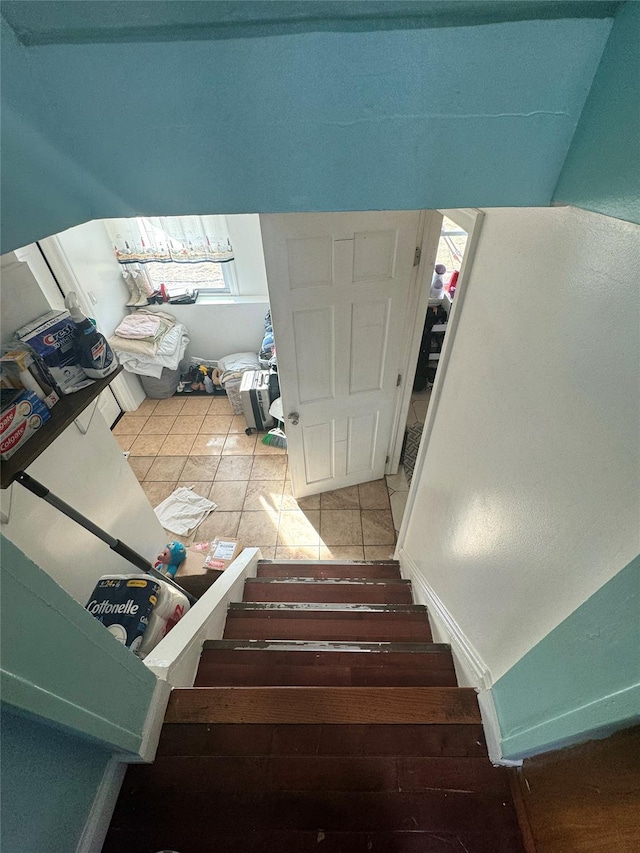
(338, 286)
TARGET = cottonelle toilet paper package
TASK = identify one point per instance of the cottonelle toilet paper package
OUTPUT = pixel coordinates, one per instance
(137, 609)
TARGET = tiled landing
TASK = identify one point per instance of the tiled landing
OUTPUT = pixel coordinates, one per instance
(199, 442)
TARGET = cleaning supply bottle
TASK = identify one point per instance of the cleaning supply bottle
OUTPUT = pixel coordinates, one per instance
(437, 282)
(94, 353)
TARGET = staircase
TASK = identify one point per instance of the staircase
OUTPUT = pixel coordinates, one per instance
(325, 720)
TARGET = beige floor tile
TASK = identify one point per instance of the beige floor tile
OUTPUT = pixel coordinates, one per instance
(176, 445)
(269, 468)
(228, 495)
(157, 492)
(398, 482)
(258, 528)
(234, 468)
(340, 527)
(239, 445)
(200, 487)
(166, 468)
(216, 424)
(159, 425)
(125, 441)
(379, 552)
(220, 406)
(420, 408)
(341, 499)
(219, 524)
(377, 527)
(298, 529)
(268, 449)
(289, 503)
(196, 406)
(129, 424)
(140, 465)
(310, 502)
(146, 408)
(147, 445)
(398, 504)
(264, 495)
(342, 552)
(200, 468)
(187, 425)
(207, 445)
(172, 406)
(307, 553)
(374, 495)
(238, 423)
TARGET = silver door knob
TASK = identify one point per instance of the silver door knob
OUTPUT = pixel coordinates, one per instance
(294, 417)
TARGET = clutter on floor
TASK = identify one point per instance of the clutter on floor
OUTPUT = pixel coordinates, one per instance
(152, 344)
(183, 511)
(171, 558)
(137, 610)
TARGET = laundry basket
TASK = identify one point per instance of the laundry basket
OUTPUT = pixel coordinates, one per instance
(232, 387)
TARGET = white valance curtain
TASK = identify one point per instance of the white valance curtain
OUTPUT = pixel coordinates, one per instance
(163, 239)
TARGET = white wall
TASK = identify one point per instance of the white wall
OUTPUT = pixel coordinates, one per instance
(90, 473)
(27, 290)
(84, 256)
(529, 501)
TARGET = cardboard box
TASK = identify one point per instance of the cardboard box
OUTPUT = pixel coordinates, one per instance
(19, 421)
(222, 552)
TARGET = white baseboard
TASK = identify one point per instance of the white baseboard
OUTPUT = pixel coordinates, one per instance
(95, 829)
(470, 666)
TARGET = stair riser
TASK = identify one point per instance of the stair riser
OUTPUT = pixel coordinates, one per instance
(308, 842)
(264, 774)
(342, 811)
(262, 739)
(347, 570)
(239, 675)
(264, 628)
(440, 661)
(338, 593)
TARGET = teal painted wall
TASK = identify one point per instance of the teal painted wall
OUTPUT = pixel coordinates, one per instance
(419, 118)
(59, 663)
(602, 170)
(583, 677)
(49, 782)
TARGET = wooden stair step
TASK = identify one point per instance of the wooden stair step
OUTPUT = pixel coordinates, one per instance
(322, 607)
(253, 667)
(401, 627)
(263, 773)
(320, 569)
(406, 650)
(336, 590)
(170, 814)
(364, 705)
(452, 739)
(132, 838)
(239, 675)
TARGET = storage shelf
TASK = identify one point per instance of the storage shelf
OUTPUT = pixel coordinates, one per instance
(65, 411)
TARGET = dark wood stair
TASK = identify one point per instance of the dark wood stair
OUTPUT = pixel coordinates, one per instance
(326, 719)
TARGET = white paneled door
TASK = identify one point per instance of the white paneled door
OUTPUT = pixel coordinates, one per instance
(339, 285)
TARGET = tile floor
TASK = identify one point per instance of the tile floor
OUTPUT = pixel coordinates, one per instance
(199, 442)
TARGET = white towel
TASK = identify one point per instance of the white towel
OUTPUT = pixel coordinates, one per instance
(183, 511)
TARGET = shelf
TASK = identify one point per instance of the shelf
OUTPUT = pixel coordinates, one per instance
(65, 411)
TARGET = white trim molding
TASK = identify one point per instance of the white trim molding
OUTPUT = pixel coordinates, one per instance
(469, 664)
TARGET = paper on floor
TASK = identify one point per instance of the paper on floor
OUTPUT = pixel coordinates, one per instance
(183, 511)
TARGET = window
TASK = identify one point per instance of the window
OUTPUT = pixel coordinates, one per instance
(180, 252)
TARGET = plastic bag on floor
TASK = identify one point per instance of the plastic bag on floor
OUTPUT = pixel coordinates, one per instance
(183, 511)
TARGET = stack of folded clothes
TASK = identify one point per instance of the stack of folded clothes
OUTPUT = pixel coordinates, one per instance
(148, 341)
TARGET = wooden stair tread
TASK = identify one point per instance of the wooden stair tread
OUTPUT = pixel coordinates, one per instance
(391, 705)
(319, 646)
(329, 570)
(246, 774)
(283, 675)
(329, 590)
(318, 607)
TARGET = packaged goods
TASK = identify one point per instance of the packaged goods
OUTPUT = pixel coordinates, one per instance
(53, 339)
(21, 416)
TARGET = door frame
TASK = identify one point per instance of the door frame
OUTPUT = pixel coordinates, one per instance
(469, 219)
